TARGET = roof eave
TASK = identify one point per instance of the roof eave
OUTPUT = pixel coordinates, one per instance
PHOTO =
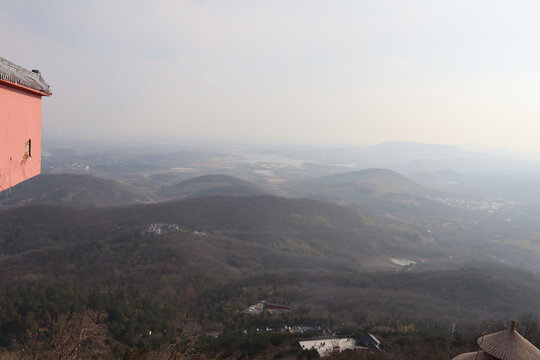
(19, 86)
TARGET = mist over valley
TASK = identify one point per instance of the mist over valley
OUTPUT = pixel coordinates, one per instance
(445, 245)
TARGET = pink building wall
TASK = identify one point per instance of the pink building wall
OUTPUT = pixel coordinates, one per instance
(20, 121)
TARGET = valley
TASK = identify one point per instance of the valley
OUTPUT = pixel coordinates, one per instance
(196, 238)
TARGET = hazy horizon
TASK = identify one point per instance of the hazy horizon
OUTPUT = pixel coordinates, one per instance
(345, 73)
(172, 143)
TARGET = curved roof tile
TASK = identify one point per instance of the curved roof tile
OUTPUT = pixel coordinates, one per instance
(32, 80)
(475, 355)
(509, 345)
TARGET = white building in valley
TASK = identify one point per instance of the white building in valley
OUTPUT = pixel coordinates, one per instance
(328, 344)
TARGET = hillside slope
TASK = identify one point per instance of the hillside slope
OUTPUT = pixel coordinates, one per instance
(73, 190)
(207, 185)
(369, 182)
(209, 258)
(306, 250)
(377, 191)
(298, 226)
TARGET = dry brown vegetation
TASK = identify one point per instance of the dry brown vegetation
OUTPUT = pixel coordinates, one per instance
(59, 260)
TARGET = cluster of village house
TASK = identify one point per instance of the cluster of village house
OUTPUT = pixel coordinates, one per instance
(325, 344)
(160, 229)
(504, 345)
(21, 91)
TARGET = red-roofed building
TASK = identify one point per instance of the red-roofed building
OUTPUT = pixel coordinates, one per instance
(276, 307)
(21, 91)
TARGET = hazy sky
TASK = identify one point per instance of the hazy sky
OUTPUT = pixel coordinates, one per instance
(351, 72)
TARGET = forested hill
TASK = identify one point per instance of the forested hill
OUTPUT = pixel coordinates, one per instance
(212, 212)
(74, 190)
(293, 224)
(207, 259)
(361, 183)
(209, 185)
(384, 192)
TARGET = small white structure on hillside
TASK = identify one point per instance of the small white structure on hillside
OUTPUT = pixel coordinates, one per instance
(328, 344)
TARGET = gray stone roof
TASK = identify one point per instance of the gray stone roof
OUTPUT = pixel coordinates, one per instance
(13, 73)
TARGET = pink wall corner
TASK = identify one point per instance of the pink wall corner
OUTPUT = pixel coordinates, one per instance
(20, 121)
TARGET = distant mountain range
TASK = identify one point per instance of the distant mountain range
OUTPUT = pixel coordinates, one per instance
(410, 158)
(74, 190)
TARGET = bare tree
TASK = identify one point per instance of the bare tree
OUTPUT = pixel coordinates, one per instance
(528, 327)
(71, 336)
(187, 347)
